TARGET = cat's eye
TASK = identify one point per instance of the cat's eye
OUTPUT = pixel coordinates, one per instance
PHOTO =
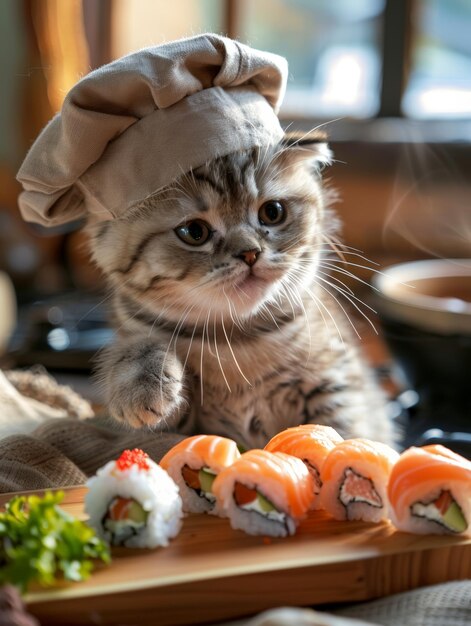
(194, 233)
(271, 213)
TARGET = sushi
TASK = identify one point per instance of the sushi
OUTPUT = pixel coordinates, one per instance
(132, 502)
(355, 475)
(265, 493)
(311, 443)
(430, 491)
(194, 463)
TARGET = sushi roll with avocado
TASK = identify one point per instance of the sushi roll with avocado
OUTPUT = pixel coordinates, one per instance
(311, 443)
(194, 464)
(430, 492)
(265, 493)
(133, 502)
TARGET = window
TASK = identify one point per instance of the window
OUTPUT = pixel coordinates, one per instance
(440, 77)
(333, 50)
(359, 59)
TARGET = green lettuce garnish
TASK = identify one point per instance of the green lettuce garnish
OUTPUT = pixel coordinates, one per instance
(42, 543)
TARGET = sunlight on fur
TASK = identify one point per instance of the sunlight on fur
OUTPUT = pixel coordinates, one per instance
(230, 309)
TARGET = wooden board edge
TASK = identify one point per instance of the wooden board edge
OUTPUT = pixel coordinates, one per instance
(72, 495)
(232, 597)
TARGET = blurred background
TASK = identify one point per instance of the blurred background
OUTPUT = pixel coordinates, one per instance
(389, 80)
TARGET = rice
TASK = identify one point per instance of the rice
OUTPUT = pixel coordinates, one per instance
(151, 488)
(192, 501)
(253, 522)
(207, 454)
(265, 493)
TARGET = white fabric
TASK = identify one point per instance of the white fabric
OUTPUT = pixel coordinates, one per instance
(20, 414)
(131, 127)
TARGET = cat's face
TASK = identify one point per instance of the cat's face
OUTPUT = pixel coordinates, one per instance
(226, 239)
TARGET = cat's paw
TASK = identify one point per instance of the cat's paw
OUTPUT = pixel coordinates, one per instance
(143, 386)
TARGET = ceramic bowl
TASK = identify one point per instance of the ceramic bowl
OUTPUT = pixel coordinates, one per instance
(425, 312)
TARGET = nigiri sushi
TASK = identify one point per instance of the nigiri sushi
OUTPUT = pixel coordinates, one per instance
(311, 443)
(133, 502)
(355, 476)
(265, 493)
(194, 463)
(430, 491)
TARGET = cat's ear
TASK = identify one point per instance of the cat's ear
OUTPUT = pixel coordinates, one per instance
(311, 147)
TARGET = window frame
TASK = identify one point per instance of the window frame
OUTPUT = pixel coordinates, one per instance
(396, 62)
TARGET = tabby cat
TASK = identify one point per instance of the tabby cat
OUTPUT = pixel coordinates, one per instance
(226, 318)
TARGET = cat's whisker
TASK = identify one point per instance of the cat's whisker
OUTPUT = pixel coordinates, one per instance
(292, 243)
(345, 272)
(303, 308)
(331, 265)
(261, 162)
(93, 308)
(218, 357)
(265, 308)
(318, 302)
(208, 338)
(179, 182)
(233, 355)
(334, 267)
(340, 305)
(235, 322)
(238, 291)
(113, 290)
(286, 288)
(278, 299)
(308, 325)
(346, 249)
(331, 253)
(334, 245)
(335, 279)
(265, 162)
(202, 356)
(313, 130)
(351, 300)
(191, 341)
(178, 326)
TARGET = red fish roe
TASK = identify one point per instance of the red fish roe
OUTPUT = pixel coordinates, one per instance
(133, 457)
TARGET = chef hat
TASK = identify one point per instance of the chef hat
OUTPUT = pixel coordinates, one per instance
(133, 126)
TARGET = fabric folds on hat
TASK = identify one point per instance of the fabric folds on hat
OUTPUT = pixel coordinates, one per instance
(133, 126)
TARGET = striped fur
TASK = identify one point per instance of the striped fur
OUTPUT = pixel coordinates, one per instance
(207, 343)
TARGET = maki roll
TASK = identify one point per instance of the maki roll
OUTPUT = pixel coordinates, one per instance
(311, 443)
(265, 493)
(194, 463)
(355, 476)
(430, 491)
(133, 502)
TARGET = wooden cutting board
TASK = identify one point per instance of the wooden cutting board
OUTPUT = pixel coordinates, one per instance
(211, 572)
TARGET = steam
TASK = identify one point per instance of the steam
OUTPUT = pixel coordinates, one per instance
(430, 207)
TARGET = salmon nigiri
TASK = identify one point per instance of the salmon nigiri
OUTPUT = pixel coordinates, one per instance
(194, 463)
(311, 443)
(355, 477)
(265, 493)
(430, 491)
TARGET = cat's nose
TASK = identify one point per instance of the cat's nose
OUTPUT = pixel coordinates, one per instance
(249, 256)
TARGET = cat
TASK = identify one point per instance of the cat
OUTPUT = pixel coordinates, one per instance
(225, 317)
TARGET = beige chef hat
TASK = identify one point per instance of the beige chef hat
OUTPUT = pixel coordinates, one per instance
(131, 127)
